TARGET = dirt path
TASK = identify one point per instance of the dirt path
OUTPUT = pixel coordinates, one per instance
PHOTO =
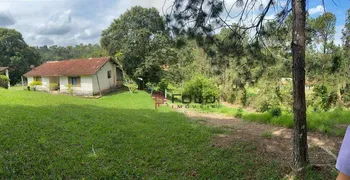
(273, 141)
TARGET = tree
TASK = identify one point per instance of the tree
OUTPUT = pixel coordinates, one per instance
(136, 35)
(300, 148)
(202, 17)
(56, 53)
(346, 34)
(324, 28)
(16, 54)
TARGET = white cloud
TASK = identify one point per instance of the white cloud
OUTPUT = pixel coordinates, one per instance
(316, 10)
(39, 40)
(58, 25)
(338, 35)
(88, 33)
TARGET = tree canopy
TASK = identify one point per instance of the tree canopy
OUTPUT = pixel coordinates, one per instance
(16, 54)
(136, 37)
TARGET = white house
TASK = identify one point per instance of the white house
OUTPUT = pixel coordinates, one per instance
(85, 77)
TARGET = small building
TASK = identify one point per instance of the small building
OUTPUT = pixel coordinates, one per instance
(84, 77)
(5, 71)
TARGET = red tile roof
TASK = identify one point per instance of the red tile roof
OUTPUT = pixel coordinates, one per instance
(3, 68)
(74, 67)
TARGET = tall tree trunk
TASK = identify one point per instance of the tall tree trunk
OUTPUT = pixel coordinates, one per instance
(300, 147)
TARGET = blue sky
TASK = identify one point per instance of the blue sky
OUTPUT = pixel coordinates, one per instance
(71, 22)
(339, 8)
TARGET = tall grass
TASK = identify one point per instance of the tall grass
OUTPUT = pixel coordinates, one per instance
(332, 122)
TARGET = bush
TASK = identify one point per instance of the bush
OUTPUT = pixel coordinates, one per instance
(53, 86)
(276, 111)
(163, 85)
(132, 87)
(239, 113)
(34, 84)
(322, 99)
(70, 89)
(263, 106)
(4, 80)
(201, 86)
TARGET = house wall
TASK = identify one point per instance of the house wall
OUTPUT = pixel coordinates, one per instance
(30, 80)
(105, 82)
(45, 83)
(85, 88)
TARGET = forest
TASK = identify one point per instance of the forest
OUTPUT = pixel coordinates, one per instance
(252, 71)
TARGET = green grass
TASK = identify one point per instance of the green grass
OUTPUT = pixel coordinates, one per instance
(331, 123)
(220, 109)
(267, 135)
(121, 136)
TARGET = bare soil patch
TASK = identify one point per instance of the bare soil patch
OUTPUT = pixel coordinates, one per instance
(276, 145)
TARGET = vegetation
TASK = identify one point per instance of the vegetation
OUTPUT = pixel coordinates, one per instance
(181, 53)
(333, 122)
(129, 37)
(4, 80)
(34, 84)
(117, 136)
(57, 53)
(201, 87)
(70, 89)
(16, 54)
(54, 86)
(267, 135)
(132, 86)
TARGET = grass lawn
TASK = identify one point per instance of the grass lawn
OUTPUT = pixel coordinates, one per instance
(44, 136)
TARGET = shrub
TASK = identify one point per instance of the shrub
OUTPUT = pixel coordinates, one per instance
(70, 89)
(232, 98)
(34, 84)
(243, 95)
(239, 113)
(53, 86)
(276, 111)
(263, 106)
(322, 99)
(4, 80)
(201, 86)
(162, 85)
(132, 87)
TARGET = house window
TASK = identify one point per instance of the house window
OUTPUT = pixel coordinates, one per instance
(74, 81)
(38, 79)
(109, 74)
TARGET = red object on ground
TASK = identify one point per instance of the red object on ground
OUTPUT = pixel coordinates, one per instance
(158, 99)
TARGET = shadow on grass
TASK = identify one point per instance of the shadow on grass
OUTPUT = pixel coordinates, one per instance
(69, 141)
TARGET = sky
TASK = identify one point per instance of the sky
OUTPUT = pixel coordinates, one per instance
(71, 22)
